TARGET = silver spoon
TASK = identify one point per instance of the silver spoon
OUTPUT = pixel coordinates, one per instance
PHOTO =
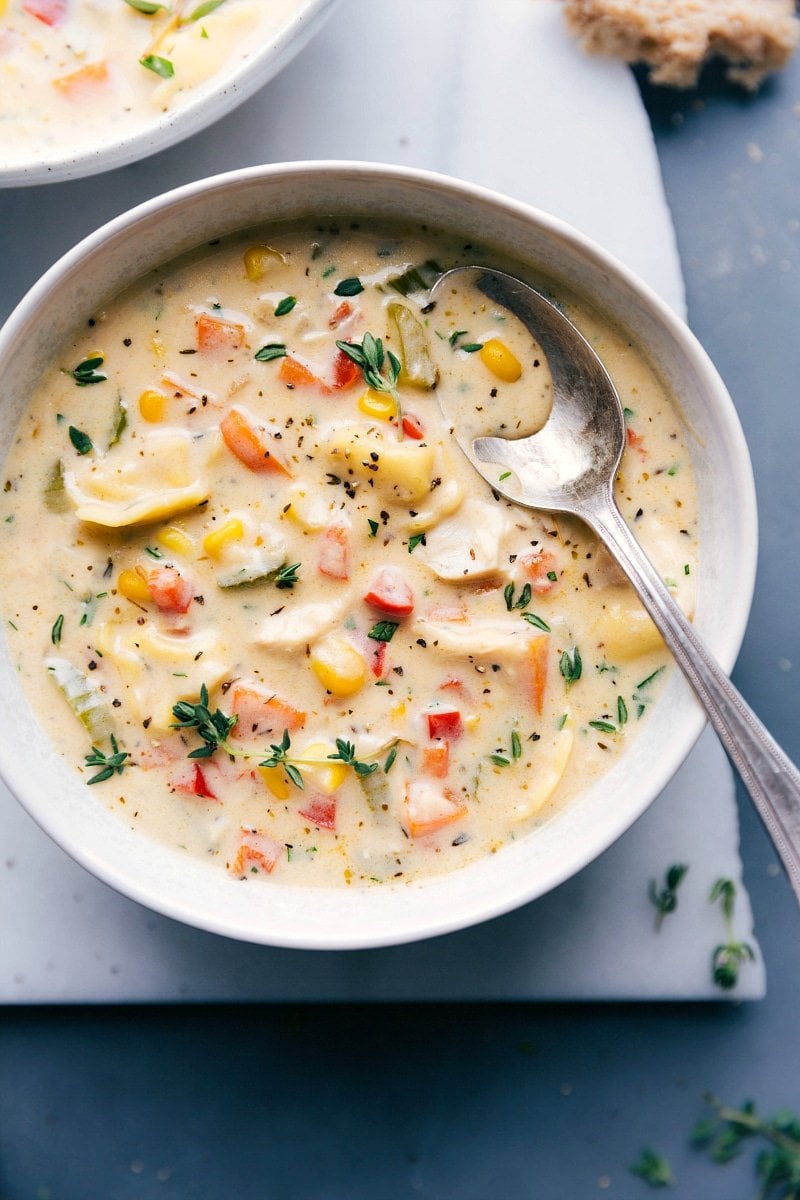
(569, 466)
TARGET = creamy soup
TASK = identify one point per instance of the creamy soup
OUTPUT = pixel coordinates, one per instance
(77, 74)
(275, 618)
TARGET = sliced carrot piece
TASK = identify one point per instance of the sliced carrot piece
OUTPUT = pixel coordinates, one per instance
(252, 445)
(413, 427)
(296, 374)
(257, 852)
(340, 314)
(213, 333)
(171, 592)
(334, 552)
(539, 663)
(436, 759)
(428, 808)
(85, 80)
(447, 612)
(540, 569)
(261, 712)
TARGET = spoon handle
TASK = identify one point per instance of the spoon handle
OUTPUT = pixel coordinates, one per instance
(771, 778)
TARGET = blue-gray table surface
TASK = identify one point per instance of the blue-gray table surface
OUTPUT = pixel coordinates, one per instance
(484, 1101)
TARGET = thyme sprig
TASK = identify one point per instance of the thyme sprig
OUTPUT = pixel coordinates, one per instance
(86, 371)
(292, 765)
(653, 1168)
(777, 1165)
(213, 728)
(729, 956)
(108, 763)
(665, 901)
(380, 368)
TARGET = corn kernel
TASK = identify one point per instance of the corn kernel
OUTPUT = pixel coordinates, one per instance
(173, 538)
(495, 355)
(133, 586)
(258, 260)
(398, 712)
(216, 541)
(338, 666)
(328, 777)
(153, 405)
(377, 404)
(276, 781)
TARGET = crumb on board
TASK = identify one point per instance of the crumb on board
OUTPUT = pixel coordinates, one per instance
(675, 38)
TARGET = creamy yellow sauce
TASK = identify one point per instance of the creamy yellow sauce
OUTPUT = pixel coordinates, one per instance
(206, 504)
(78, 74)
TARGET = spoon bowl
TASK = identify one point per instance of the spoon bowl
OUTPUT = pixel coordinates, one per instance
(569, 466)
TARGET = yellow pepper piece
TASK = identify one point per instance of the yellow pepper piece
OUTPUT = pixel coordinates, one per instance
(258, 260)
(153, 406)
(338, 666)
(173, 538)
(328, 777)
(377, 404)
(133, 586)
(495, 355)
(216, 541)
(276, 781)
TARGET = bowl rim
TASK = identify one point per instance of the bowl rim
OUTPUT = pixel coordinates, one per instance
(728, 639)
(208, 102)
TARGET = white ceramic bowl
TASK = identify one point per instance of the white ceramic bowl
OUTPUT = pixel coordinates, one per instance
(200, 107)
(284, 915)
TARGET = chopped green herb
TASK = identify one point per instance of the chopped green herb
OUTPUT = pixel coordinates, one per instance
(524, 596)
(653, 1169)
(505, 475)
(777, 1165)
(533, 619)
(622, 711)
(86, 372)
(729, 956)
(285, 306)
(650, 678)
(204, 9)
(571, 666)
(286, 576)
(516, 745)
(109, 763)
(349, 287)
(471, 347)
(390, 757)
(383, 631)
(56, 631)
(603, 726)
(686, 569)
(415, 540)
(374, 526)
(455, 335)
(153, 551)
(499, 760)
(665, 901)
(80, 440)
(270, 351)
(148, 7)
(161, 66)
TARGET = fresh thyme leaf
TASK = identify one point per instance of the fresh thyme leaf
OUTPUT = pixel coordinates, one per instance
(286, 576)
(383, 631)
(571, 666)
(499, 760)
(653, 1169)
(603, 726)
(455, 335)
(622, 711)
(471, 347)
(148, 7)
(666, 900)
(346, 753)
(650, 678)
(55, 632)
(522, 601)
(294, 774)
(777, 1163)
(516, 745)
(86, 372)
(109, 763)
(161, 66)
(415, 540)
(349, 287)
(374, 526)
(153, 551)
(285, 306)
(390, 757)
(80, 440)
(532, 619)
(270, 351)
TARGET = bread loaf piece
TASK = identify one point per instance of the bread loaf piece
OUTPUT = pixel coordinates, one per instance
(676, 37)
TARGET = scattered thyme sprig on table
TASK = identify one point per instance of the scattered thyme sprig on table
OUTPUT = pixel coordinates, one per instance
(653, 1168)
(665, 901)
(213, 728)
(777, 1164)
(109, 763)
(729, 955)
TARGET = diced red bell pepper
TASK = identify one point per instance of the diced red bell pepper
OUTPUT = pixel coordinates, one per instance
(320, 810)
(340, 314)
(345, 371)
(50, 12)
(171, 591)
(191, 781)
(412, 427)
(378, 661)
(445, 723)
(390, 592)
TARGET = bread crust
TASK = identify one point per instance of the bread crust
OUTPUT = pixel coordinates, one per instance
(675, 38)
